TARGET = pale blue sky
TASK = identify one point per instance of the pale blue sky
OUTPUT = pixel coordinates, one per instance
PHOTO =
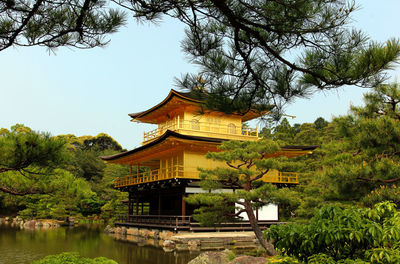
(86, 92)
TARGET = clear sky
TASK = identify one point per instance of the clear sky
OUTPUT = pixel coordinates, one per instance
(86, 92)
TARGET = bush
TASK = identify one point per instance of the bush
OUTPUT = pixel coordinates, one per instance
(337, 235)
(72, 258)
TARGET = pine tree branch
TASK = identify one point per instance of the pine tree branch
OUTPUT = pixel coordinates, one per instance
(236, 167)
(18, 31)
(232, 18)
(17, 193)
(239, 212)
(6, 169)
(259, 176)
(378, 180)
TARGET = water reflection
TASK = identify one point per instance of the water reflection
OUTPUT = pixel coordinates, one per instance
(22, 246)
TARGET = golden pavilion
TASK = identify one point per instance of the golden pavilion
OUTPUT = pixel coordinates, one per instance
(166, 162)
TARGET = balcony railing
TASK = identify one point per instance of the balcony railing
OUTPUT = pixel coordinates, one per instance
(179, 172)
(202, 128)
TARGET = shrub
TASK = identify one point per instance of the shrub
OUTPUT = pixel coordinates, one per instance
(337, 235)
(72, 258)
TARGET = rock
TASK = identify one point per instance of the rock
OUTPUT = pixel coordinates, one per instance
(156, 234)
(118, 230)
(108, 229)
(194, 245)
(212, 257)
(165, 235)
(144, 233)
(169, 246)
(248, 260)
(7, 219)
(123, 231)
(29, 224)
(46, 225)
(132, 232)
(38, 224)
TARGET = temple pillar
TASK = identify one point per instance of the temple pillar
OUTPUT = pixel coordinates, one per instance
(159, 204)
(130, 205)
(183, 205)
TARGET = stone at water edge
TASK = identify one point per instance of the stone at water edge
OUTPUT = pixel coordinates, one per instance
(212, 257)
(169, 246)
(248, 260)
(108, 229)
(194, 245)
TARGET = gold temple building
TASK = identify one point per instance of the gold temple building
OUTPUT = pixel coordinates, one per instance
(166, 162)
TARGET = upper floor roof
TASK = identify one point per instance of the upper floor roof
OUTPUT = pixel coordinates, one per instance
(178, 101)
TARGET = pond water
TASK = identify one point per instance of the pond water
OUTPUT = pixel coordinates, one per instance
(19, 246)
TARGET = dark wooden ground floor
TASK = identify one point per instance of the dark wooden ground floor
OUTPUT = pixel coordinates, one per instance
(161, 202)
(162, 205)
(179, 223)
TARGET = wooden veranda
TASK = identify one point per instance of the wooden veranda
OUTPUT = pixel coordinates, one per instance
(183, 223)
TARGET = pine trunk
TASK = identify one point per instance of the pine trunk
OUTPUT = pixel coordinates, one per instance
(256, 228)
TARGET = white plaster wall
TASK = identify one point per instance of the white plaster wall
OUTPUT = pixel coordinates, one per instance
(268, 212)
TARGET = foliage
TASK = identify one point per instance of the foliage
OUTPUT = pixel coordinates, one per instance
(57, 177)
(22, 147)
(343, 235)
(252, 54)
(262, 54)
(383, 193)
(71, 196)
(366, 156)
(72, 257)
(357, 159)
(76, 23)
(28, 156)
(247, 163)
(282, 259)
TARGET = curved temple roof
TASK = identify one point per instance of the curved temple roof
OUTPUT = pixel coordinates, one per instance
(289, 151)
(188, 97)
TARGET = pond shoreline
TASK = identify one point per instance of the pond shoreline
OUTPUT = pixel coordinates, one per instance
(32, 223)
(185, 241)
(23, 245)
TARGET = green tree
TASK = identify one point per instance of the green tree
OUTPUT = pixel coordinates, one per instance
(70, 196)
(367, 156)
(247, 163)
(76, 23)
(336, 235)
(252, 55)
(85, 152)
(26, 160)
(357, 161)
(284, 132)
(245, 49)
(320, 123)
(72, 257)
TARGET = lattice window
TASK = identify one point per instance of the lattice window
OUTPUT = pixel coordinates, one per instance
(231, 128)
(195, 124)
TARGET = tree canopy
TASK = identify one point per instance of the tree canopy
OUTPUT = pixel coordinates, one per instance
(247, 163)
(357, 161)
(28, 154)
(262, 54)
(58, 176)
(76, 23)
(334, 235)
(252, 54)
